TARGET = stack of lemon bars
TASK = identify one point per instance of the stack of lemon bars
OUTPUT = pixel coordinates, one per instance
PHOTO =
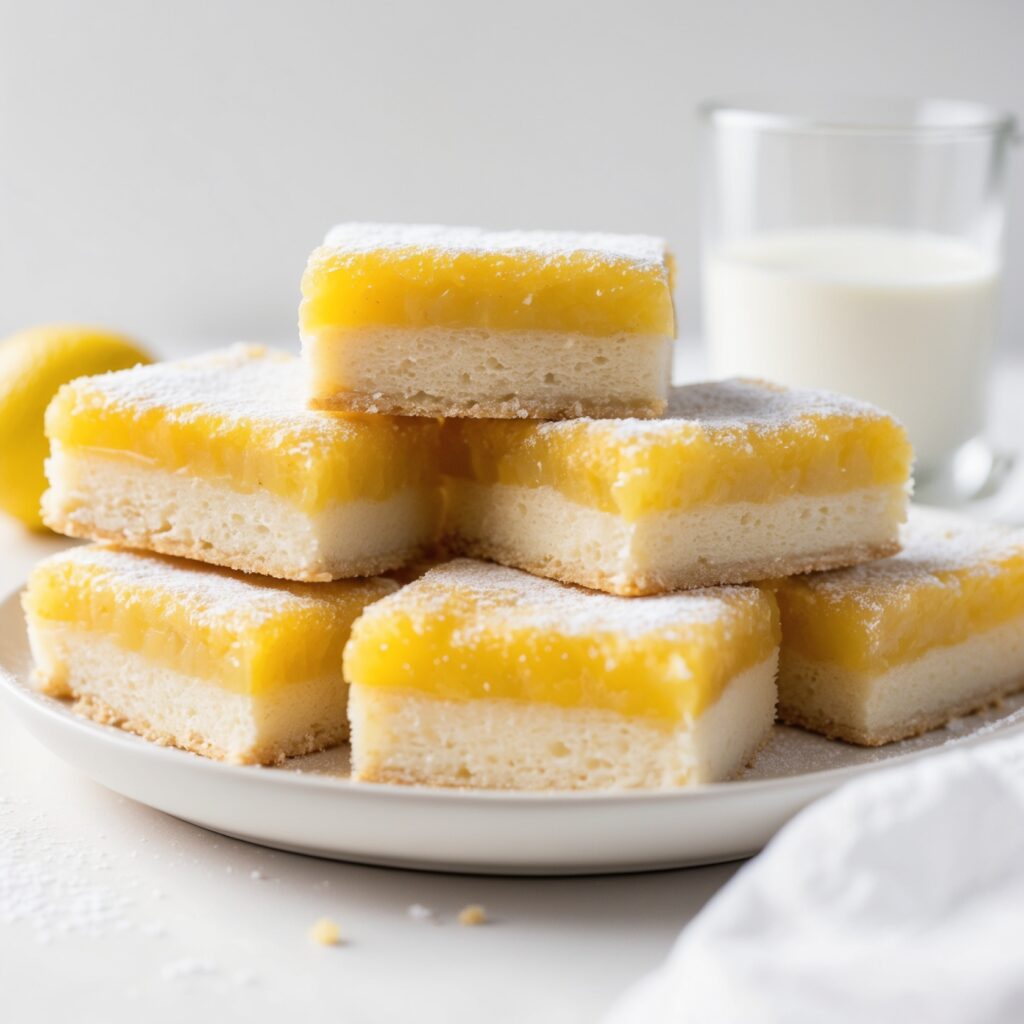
(475, 531)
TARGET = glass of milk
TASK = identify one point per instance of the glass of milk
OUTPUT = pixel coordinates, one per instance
(858, 249)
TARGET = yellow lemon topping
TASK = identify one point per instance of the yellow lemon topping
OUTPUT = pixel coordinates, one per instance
(470, 631)
(425, 275)
(953, 579)
(239, 416)
(244, 633)
(717, 443)
(33, 365)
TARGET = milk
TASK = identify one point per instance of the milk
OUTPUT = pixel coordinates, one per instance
(901, 319)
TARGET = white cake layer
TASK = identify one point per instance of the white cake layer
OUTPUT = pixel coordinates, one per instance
(471, 372)
(175, 514)
(407, 737)
(121, 687)
(908, 699)
(540, 530)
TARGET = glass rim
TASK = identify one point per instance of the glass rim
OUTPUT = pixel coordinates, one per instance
(883, 117)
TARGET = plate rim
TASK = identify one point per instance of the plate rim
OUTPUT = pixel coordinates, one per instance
(31, 702)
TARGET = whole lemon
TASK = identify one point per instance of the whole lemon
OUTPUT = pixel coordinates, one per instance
(33, 365)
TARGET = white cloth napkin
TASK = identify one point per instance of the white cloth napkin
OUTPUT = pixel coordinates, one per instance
(900, 897)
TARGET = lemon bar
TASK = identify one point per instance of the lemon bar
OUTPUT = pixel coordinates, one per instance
(218, 458)
(739, 481)
(426, 320)
(896, 647)
(234, 667)
(479, 675)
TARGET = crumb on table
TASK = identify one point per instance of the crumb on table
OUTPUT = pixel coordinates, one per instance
(325, 932)
(472, 915)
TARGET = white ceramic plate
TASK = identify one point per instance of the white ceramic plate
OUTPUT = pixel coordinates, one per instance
(311, 806)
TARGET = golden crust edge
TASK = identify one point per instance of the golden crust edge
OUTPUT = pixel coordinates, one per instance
(256, 566)
(508, 409)
(655, 583)
(394, 778)
(97, 710)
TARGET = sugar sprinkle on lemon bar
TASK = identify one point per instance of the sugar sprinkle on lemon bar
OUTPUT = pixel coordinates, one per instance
(892, 648)
(738, 481)
(216, 458)
(231, 666)
(427, 320)
(479, 675)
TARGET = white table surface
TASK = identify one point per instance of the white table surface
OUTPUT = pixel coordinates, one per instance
(112, 912)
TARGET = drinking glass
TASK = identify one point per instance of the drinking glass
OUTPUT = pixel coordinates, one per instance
(857, 247)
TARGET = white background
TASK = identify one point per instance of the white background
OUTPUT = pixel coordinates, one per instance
(167, 167)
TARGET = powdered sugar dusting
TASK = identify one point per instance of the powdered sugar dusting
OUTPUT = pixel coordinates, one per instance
(938, 541)
(209, 595)
(730, 411)
(760, 405)
(792, 751)
(938, 548)
(353, 238)
(47, 884)
(506, 598)
(243, 384)
(188, 967)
